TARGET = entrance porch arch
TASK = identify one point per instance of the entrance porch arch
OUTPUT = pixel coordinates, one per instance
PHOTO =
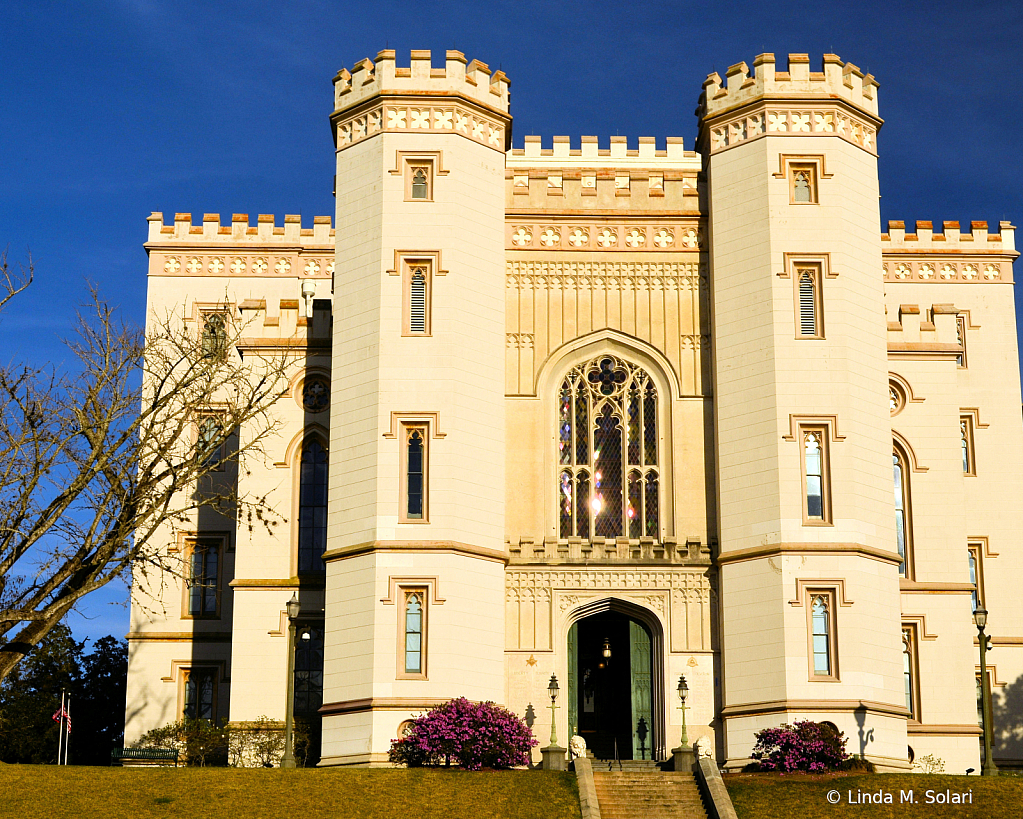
(655, 742)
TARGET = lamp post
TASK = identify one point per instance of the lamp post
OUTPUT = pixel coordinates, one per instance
(683, 692)
(980, 619)
(552, 692)
(289, 718)
(554, 758)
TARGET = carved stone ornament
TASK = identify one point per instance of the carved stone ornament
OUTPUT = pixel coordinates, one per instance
(576, 747)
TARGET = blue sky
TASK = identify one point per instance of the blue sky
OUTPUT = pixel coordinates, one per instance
(115, 108)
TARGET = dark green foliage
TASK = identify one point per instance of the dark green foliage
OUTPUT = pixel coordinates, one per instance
(30, 695)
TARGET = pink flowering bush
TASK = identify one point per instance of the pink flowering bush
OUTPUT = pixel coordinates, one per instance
(805, 746)
(470, 735)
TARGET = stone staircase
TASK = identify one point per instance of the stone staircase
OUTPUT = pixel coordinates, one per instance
(639, 790)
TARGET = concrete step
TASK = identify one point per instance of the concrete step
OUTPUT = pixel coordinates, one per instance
(648, 794)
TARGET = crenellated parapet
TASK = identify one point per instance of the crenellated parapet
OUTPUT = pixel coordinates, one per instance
(240, 228)
(928, 332)
(951, 256)
(840, 100)
(595, 177)
(464, 98)
(240, 248)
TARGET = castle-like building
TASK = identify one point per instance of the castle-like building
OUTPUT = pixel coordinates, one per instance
(615, 414)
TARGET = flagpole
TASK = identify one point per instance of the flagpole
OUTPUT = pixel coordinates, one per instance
(60, 727)
(67, 728)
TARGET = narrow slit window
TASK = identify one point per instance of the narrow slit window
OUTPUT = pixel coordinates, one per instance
(961, 337)
(414, 632)
(822, 636)
(966, 445)
(902, 522)
(809, 303)
(415, 474)
(815, 476)
(417, 299)
(909, 671)
(312, 508)
(976, 576)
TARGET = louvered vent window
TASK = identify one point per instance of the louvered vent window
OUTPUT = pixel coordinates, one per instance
(417, 300)
(808, 318)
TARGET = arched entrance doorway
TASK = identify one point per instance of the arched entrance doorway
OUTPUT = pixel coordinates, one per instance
(614, 690)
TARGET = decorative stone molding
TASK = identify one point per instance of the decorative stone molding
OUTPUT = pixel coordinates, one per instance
(946, 271)
(621, 236)
(619, 275)
(395, 117)
(952, 240)
(774, 119)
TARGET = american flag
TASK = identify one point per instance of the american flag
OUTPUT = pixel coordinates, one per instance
(62, 713)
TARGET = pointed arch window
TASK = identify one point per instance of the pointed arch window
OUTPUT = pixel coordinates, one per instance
(903, 528)
(414, 474)
(822, 636)
(414, 627)
(214, 333)
(417, 297)
(816, 479)
(909, 673)
(608, 452)
(809, 323)
(312, 508)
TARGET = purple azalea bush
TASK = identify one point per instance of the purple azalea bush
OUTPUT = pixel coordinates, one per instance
(806, 746)
(470, 735)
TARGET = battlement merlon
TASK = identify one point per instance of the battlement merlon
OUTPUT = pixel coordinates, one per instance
(239, 231)
(589, 154)
(837, 80)
(951, 240)
(370, 78)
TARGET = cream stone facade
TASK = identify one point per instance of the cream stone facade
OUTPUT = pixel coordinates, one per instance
(614, 414)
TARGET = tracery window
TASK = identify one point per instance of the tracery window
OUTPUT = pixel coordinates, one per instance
(609, 473)
(822, 636)
(414, 474)
(816, 494)
(966, 444)
(414, 631)
(312, 508)
(214, 333)
(803, 190)
(809, 323)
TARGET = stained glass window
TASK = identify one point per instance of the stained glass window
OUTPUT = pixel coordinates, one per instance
(608, 451)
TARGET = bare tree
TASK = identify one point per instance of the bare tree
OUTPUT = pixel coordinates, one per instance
(97, 466)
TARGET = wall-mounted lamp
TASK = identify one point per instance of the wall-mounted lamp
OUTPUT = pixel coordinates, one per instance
(308, 292)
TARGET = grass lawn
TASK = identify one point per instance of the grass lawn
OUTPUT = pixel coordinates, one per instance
(773, 796)
(49, 792)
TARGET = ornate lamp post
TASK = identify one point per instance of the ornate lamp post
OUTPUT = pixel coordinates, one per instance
(552, 692)
(683, 756)
(683, 692)
(554, 758)
(980, 619)
(289, 718)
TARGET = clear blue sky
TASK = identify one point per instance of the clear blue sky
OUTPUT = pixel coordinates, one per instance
(115, 108)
